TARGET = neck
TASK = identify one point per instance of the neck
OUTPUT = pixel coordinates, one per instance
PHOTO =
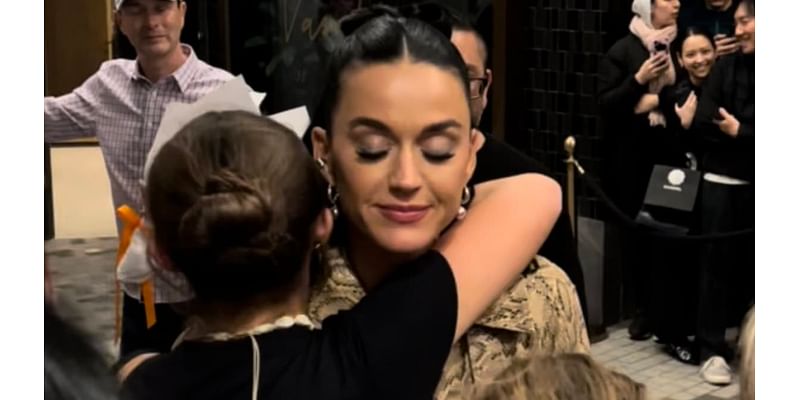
(695, 80)
(370, 262)
(242, 317)
(157, 68)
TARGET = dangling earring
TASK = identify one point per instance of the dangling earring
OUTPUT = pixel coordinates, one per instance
(333, 198)
(466, 196)
(320, 164)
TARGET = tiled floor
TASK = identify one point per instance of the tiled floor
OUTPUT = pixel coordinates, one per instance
(83, 278)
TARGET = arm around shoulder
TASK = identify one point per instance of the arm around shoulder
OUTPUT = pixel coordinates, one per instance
(503, 231)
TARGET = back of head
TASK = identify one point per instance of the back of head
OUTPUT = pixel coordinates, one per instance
(747, 368)
(232, 198)
(380, 35)
(563, 376)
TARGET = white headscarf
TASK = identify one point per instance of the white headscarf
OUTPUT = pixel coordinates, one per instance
(643, 10)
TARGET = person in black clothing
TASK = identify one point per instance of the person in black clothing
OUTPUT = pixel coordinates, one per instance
(630, 78)
(726, 115)
(714, 17)
(238, 206)
(496, 159)
(676, 262)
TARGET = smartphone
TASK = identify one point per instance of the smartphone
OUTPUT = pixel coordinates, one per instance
(659, 47)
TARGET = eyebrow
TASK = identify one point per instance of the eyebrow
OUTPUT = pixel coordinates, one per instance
(383, 129)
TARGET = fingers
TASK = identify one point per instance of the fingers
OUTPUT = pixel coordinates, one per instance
(724, 113)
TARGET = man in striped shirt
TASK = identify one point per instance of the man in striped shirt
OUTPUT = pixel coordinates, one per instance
(122, 105)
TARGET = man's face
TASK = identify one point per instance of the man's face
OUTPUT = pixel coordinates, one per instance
(473, 52)
(152, 26)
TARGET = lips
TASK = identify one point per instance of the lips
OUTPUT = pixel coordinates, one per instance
(403, 214)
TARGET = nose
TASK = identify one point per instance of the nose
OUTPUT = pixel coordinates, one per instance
(405, 177)
(739, 31)
(152, 20)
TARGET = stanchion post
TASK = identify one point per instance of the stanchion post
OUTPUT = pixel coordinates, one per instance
(569, 147)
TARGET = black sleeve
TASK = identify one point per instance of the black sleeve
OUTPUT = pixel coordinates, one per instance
(404, 328)
(709, 102)
(618, 90)
(496, 160)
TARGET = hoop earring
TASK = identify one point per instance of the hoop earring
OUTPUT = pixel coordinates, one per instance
(333, 198)
(466, 197)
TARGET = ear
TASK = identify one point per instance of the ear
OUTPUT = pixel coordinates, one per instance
(476, 141)
(488, 85)
(154, 252)
(680, 61)
(323, 226)
(182, 9)
(321, 150)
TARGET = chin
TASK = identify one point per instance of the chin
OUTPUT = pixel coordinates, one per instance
(405, 242)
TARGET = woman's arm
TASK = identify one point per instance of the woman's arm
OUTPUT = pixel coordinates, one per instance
(617, 88)
(504, 228)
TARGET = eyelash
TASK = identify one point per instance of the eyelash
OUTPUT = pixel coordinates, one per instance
(373, 156)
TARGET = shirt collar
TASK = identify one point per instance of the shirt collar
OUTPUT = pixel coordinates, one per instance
(182, 76)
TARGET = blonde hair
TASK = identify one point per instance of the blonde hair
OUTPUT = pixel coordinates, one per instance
(563, 376)
(747, 367)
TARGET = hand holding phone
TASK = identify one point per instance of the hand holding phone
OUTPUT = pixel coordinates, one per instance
(652, 67)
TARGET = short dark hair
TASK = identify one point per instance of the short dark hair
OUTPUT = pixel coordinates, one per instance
(381, 35)
(232, 198)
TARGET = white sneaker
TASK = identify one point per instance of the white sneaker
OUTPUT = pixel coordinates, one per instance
(716, 371)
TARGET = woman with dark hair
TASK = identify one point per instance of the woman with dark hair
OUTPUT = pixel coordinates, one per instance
(630, 78)
(394, 132)
(726, 115)
(239, 206)
(675, 263)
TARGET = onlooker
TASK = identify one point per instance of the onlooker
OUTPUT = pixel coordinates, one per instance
(630, 78)
(715, 17)
(121, 105)
(726, 114)
(497, 159)
(675, 264)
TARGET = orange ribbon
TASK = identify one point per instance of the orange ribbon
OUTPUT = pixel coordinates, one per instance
(131, 221)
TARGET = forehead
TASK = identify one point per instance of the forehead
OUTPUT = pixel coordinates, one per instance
(402, 93)
(741, 11)
(696, 42)
(470, 47)
(127, 3)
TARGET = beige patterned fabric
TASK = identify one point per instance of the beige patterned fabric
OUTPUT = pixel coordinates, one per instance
(540, 314)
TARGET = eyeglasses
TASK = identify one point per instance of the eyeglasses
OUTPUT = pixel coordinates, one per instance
(477, 86)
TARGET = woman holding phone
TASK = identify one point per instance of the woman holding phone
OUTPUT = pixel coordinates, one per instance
(631, 76)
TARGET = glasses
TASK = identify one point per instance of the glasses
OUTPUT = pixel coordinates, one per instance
(477, 86)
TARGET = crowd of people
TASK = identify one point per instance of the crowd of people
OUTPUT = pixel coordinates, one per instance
(679, 90)
(405, 254)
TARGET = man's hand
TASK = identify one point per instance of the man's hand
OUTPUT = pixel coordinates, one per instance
(728, 124)
(687, 110)
(725, 44)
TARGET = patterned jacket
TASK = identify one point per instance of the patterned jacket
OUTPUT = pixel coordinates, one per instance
(540, 313)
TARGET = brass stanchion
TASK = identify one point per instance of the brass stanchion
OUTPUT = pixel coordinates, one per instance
(569, 147)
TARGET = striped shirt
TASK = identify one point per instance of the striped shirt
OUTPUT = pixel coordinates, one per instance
(123, 109)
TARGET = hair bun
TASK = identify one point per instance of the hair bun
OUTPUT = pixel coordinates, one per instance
(231, 210)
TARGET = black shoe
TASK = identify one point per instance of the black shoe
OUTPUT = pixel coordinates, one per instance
(684, 351)
(639, 328)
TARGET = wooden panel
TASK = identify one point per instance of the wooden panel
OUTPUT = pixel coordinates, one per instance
(77, 39)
